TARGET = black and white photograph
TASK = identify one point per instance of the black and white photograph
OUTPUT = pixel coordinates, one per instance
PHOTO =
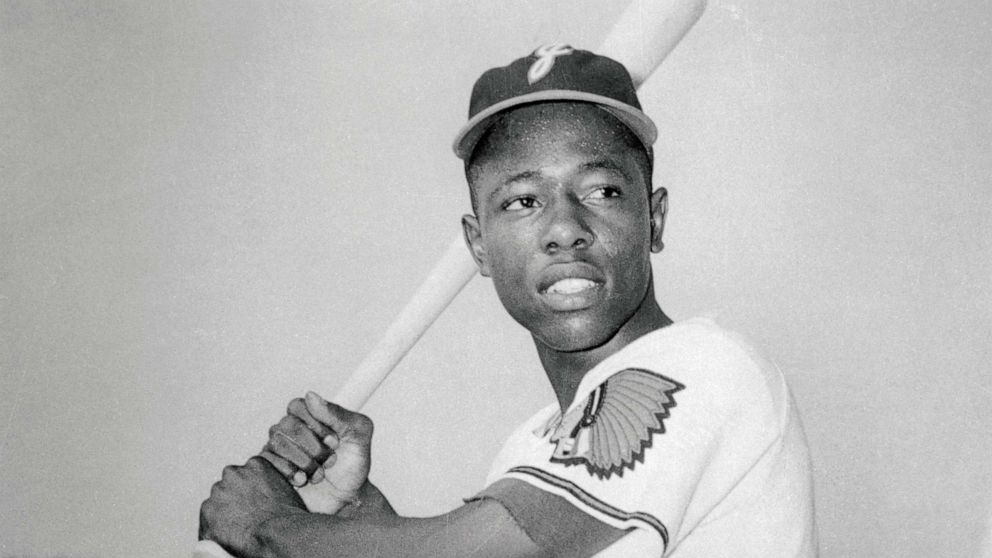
(514, 279)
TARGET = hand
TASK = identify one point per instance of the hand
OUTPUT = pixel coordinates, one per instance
(244, 499)
(319, 439)
(300, 445)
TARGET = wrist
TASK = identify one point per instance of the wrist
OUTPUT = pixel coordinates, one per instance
(357, 504)
(351, 509)
(370, 504)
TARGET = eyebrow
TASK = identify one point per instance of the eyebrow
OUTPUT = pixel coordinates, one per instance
(606, 164)
(598, 164)
(522, 176)
(519, 177)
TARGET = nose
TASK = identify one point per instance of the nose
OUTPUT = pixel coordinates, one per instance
(566, 228)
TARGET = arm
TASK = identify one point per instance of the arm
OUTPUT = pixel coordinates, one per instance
(268, 522)
(254, 513)
(482, 528)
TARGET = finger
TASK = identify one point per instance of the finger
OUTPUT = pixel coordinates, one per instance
(272, 481)
(281, 464)
(332, 442)
(215, 491)
(227, 473)
(284, 446)
(260, 465)
(341, 420)
(301, 435)
(285, 468)
(326, 412)
(318, 475)
(298, 409)
(205, 514)
(307, 439)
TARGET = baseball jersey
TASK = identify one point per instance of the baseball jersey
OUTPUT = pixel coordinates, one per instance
(686, 439)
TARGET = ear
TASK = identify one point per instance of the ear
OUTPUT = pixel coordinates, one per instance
(473, 239)
(659, 210)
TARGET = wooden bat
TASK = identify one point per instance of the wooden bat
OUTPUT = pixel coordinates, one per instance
(644, 35)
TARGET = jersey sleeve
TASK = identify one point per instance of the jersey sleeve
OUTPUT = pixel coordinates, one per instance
(646, 452)
(550, 521)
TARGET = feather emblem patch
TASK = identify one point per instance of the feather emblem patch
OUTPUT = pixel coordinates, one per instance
(611, 432)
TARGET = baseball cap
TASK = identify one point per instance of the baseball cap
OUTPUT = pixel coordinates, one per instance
(554, 73)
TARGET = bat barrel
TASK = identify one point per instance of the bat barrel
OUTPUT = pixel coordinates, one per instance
(647, 32)
(451, 273)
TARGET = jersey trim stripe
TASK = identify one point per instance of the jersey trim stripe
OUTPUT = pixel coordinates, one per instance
(592, 502)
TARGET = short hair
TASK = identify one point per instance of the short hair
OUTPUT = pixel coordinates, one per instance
(485, 148)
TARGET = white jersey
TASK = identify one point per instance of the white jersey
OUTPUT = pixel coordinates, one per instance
(687, 439)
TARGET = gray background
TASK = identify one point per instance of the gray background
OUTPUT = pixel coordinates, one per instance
(208, 208)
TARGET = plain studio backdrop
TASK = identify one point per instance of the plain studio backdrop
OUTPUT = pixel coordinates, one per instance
(208, 208)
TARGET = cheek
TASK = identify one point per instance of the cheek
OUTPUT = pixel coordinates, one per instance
(509, 279)
(507, 249)
(626, 233)
(509, 259)
(632, 252)
(508, 267)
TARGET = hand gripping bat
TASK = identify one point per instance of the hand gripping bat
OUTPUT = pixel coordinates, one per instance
(643, 36)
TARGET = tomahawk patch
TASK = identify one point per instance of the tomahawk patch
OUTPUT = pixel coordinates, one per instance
(611, 432)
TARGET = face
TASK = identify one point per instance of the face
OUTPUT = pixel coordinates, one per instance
(564, 222)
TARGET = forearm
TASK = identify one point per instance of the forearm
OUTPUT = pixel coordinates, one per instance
(474, 530)
(350, 532)
(318, 535)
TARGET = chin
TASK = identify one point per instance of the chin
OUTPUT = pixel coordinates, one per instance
(574, 334)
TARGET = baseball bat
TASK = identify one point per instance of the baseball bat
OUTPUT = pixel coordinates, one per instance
(445, 280)
(643, 36)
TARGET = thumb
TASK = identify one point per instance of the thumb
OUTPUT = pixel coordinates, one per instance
(344, 422)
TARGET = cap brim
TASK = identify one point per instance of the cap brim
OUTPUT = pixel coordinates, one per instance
(636, 120)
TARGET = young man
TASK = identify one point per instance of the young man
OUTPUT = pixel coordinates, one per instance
(667, 439)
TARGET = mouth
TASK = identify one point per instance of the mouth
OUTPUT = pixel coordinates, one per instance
(571, 287)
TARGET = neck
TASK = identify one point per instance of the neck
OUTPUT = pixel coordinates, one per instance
(565, 370)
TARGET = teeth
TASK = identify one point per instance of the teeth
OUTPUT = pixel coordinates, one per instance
(570, 286)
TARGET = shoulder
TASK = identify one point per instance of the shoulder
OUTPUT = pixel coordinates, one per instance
(710, 379)
(706, 357)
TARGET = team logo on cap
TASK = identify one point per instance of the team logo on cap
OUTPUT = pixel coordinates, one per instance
(546, 60)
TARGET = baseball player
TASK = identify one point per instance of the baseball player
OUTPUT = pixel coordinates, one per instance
(666, 439)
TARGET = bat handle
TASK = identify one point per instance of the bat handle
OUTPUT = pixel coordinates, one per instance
(209, 549)
(450, 274)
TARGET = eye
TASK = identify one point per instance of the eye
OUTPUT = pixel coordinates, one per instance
(519, 203)
(604, 192)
